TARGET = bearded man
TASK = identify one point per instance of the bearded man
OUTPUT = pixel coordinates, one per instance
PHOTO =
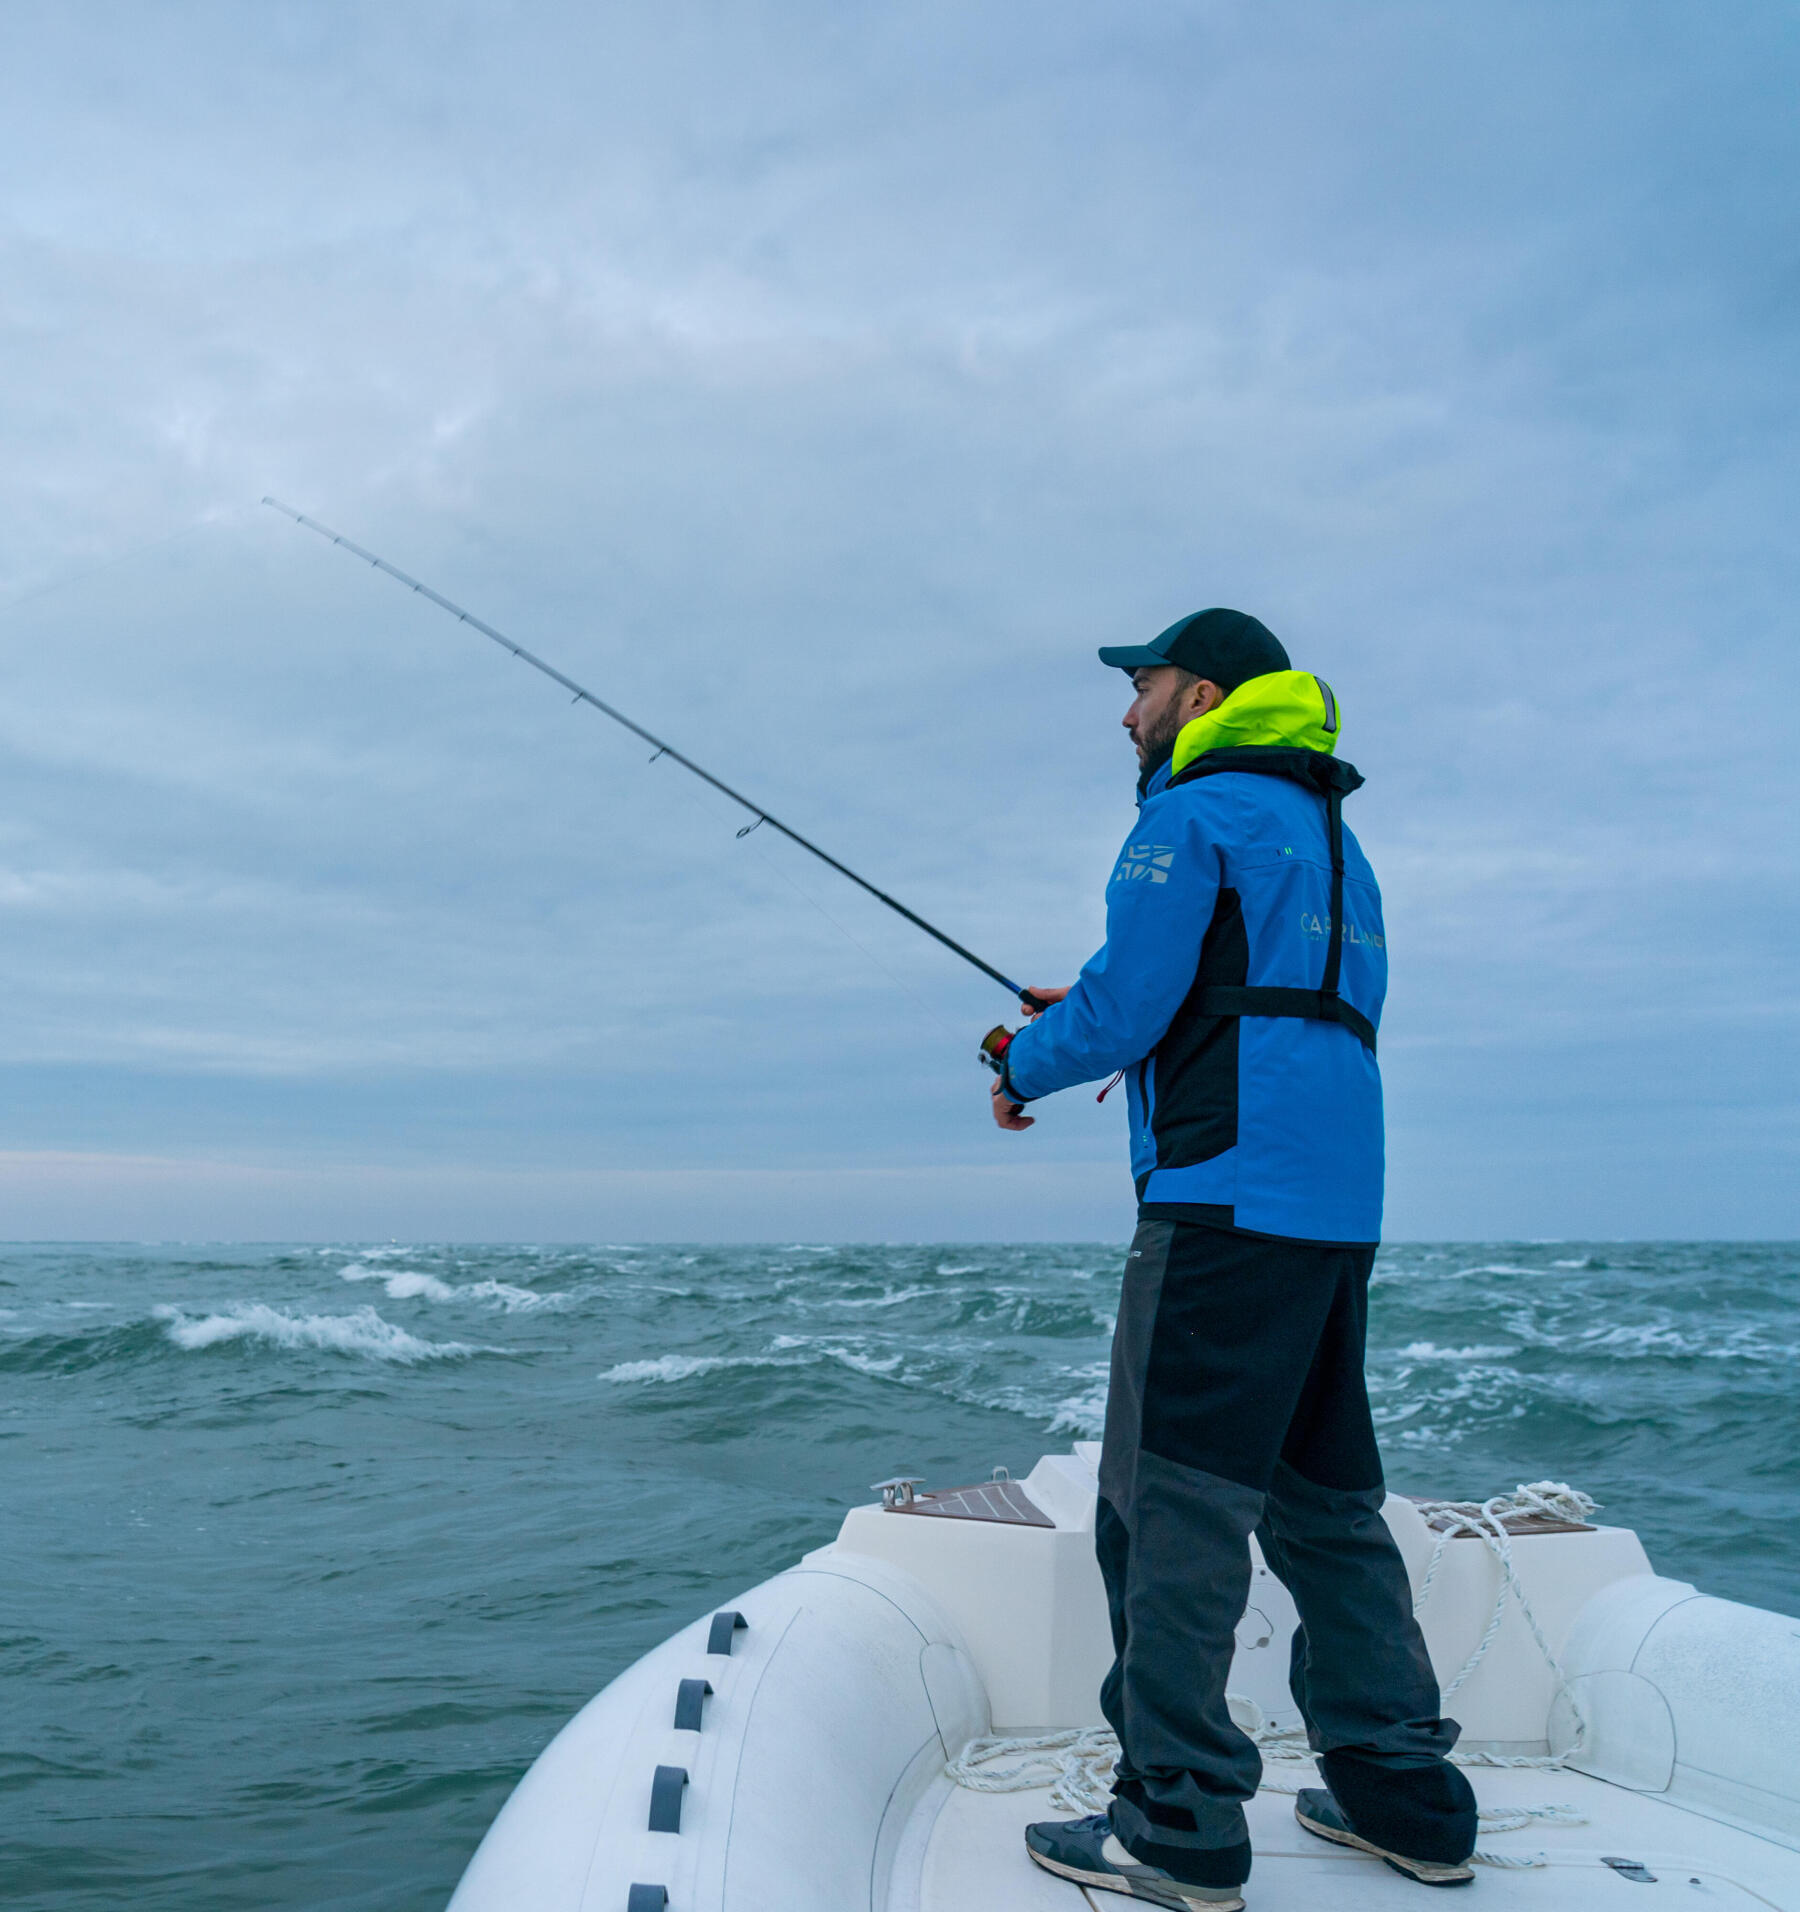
(1239, 991)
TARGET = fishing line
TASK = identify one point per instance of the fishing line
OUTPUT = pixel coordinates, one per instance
(705, 809)
(856, 942)
(758, 815)
(8, 605)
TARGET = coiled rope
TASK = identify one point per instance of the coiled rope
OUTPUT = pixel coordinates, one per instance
(1077, 1765)
(1077, 1768)
(1486, 1521)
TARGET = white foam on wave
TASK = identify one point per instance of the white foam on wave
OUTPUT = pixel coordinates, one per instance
(679, 1367)
(1634, 1338)
(513, 1300)
(879, 1366)
(402, 1284)
(1392, 1272)
(363, 1332)
(1084, 1414)
(413, 1284)
(1665, 1339)
(1430, 1351)
(359, 1270)
(790, 1351)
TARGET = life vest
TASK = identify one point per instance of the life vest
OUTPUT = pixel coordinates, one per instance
(1263, 707)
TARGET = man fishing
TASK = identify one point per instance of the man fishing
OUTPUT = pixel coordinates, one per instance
(1238, 991)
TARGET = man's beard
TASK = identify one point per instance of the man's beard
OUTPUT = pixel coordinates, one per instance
(1156, 740)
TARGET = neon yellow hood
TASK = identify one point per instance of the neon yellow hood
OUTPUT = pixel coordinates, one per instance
(1290, 708)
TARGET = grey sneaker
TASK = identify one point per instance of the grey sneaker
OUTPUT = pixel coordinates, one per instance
(1322, 1816)
(1089, 1852)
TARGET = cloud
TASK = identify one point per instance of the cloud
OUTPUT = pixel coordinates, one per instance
(822, 389)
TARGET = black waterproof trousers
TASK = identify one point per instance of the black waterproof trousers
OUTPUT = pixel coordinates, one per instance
(1238, 1406)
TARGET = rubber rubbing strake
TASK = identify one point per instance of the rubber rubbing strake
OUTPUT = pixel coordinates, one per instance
(724, 1625)
(690, 1701)
(665, 1798)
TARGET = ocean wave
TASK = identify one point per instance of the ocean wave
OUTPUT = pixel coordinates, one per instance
(75, 1350)
(1025, 1311)
(1406, 1406)
(682, 1367)
(402, 1284)
(1636, 1338)
(363, 1333)
(891, 1298)
(909, 1369)
(1082, 1415)
(1430, 1351)
(513, 1300)
(789, 1351)
(880, 1367)
(1658, 1340)
(413, 1284)
(858, 1360)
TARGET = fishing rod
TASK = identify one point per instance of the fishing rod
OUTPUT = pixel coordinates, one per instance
(583, 696)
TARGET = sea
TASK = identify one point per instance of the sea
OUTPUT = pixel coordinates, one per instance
(305, 1552)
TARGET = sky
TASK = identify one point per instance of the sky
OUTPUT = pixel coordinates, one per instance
(822, 385)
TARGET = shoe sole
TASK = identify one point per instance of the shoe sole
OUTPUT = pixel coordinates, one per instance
(1425, 1871)
(1172, 1901)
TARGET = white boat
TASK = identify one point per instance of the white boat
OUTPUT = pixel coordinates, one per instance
(822, 1742)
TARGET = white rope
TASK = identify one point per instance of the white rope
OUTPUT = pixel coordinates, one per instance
(1486, 1521)
(1288, 1743)
(1077, 1766)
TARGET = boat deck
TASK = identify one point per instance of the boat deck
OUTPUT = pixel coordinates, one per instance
(965, 1853)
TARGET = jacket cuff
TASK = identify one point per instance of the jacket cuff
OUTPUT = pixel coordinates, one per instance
(1008, 1087)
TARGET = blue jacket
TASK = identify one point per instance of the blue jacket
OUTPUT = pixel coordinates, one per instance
(1266, 1123)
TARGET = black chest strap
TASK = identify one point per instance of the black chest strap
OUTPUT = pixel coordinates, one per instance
(1333, 781)
(1313, 1005)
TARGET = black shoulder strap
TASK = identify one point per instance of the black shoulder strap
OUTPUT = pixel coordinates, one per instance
(1333, 781)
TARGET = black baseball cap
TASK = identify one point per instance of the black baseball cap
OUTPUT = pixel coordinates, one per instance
(1227, 648)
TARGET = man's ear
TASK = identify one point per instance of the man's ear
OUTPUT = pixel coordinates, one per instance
(1207, 696)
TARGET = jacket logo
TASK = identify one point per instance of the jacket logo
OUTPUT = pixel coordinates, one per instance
(1318, 929)
(1145, 863)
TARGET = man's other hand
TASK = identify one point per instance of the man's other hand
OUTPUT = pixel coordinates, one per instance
(1008, 1113)
(1045, 996)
